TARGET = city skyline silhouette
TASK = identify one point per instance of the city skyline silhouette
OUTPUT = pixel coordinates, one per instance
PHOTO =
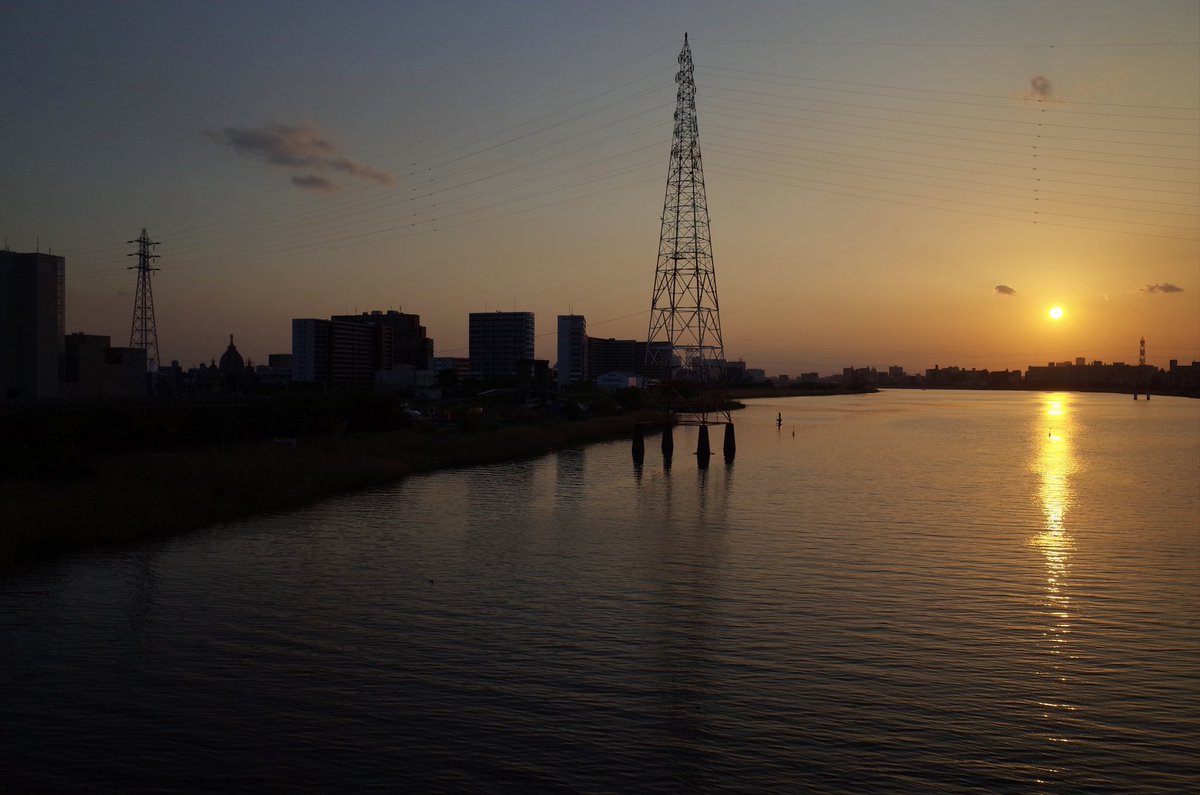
(890, 188)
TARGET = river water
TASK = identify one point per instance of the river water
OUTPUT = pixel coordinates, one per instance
(904, 592)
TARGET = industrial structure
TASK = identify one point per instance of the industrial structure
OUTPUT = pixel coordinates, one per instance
(143, 333)
(685, 352)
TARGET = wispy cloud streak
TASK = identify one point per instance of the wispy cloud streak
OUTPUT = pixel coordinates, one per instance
(296, 147)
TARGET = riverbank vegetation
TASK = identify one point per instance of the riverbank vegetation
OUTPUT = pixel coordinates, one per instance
(103, 475)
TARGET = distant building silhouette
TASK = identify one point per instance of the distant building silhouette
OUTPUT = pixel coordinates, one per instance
(334, 352)
(572, 350)
(499, 343)
(93, 369)
(615, 356)
(32, 324)
(1078, 375)
(459, 365)
(350, 350)
(616, 380)
(232, 367)
(625, 356)
(232, 363)
(735, 372)
(1184, 378)
(275, 374)
(402, 338)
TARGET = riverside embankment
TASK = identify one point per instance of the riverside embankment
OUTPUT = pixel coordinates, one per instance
(116, 499)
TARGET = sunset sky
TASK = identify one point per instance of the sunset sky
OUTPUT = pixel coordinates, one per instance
(890, 183)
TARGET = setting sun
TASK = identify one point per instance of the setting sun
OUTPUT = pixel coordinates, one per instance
(1056, 313)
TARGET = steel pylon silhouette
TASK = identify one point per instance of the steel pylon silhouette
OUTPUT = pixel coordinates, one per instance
(684, 348)
(143, 333)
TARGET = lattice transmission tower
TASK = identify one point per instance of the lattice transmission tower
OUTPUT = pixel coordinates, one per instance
(1142, 379)
(684, 347)
(143, 332)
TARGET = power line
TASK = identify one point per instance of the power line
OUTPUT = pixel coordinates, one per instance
(718, 69)
(953, 45)
(847, 190)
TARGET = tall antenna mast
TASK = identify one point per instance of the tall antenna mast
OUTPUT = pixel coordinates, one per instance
(143, 333)
(684, 347)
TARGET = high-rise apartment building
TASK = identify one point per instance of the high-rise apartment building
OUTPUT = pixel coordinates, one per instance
(572, 350)
(499, 342)
(349, 349)
(335, 352)
(407, 341)
(32, 324)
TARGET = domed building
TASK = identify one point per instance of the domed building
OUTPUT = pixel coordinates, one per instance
(231, 360)
(232, 367)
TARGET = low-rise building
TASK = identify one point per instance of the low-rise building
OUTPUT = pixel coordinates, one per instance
(614, 381)
(93, 369)
(459, 365)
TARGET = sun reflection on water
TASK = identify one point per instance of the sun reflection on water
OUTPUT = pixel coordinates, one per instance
(1055, 464)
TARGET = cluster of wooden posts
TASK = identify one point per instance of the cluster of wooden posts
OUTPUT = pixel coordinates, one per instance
(703, 447)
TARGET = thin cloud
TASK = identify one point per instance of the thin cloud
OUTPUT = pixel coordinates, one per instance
(296, 147)
(1004, 289)
(1165, 287)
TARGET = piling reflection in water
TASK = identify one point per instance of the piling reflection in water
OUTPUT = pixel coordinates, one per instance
(1055, 465)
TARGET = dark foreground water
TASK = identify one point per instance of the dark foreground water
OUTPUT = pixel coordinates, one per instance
(909, 591)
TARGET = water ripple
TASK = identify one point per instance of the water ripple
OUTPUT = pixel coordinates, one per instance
(934, 593)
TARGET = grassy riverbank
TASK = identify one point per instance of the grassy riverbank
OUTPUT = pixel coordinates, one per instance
(152, 494)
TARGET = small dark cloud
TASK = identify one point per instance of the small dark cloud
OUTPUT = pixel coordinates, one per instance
(313, 182)
(1041, 89)
(1165, 287)
(295, 147)
(1004, 289)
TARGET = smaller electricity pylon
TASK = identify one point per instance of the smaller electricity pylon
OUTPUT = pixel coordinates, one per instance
(143, 333)
(685, 353)
(1141, 381)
